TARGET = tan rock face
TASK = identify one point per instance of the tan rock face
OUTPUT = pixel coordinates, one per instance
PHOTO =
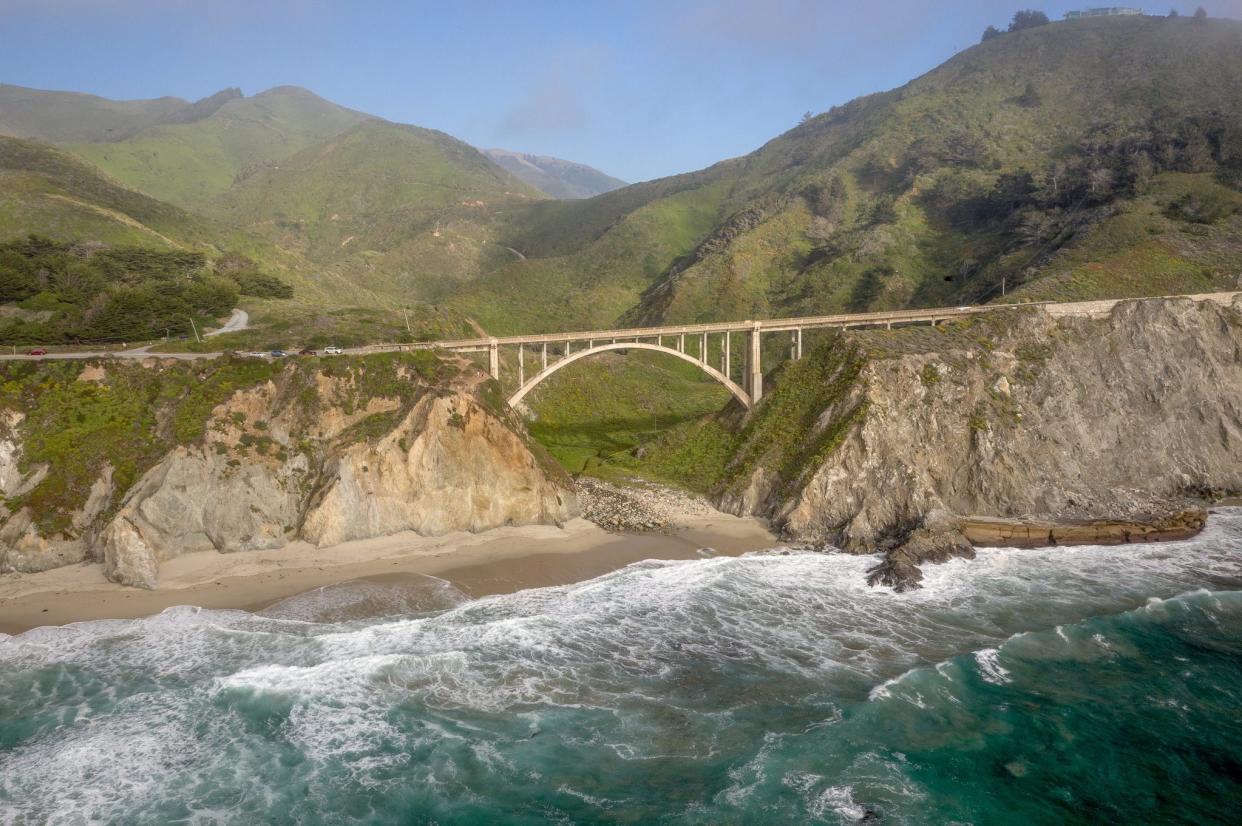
(448, 466)
(277, 465)
(1066, 419)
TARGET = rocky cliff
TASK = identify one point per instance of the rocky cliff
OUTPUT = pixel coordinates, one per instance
(133, 464)
(907, 441)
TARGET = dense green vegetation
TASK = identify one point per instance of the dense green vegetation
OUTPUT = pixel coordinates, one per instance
(68, 293)
(592, 414)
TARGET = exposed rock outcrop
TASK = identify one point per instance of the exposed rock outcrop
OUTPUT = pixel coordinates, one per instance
(1126, 423)
(349, 451)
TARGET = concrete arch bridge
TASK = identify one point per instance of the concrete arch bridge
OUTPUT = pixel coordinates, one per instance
(696, 343)
(707, 346)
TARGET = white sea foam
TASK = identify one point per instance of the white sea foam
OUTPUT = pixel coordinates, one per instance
(661, 658)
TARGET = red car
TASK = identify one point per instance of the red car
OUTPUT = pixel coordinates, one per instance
(307, 352)
(38, 351)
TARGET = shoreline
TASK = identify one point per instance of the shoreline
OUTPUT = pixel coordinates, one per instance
(498, 561)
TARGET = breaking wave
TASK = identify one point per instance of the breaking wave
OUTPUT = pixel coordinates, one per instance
(1056, 685)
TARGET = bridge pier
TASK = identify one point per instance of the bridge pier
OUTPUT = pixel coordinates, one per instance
(543, 359)
(521, 364)
(755, 367)
(493, 358)
(728, 353)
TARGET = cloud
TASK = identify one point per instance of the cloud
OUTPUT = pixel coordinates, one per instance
(793, 27)
(556, 103)
(549, 109)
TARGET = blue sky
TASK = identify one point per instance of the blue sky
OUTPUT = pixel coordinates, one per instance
(639, 89)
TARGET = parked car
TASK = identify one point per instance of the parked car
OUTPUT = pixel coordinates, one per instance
(307, 352)
(255, 354)
(38, 351)
(278, 354)
(332, 350)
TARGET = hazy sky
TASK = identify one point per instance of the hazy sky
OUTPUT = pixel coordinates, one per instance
(639, 89)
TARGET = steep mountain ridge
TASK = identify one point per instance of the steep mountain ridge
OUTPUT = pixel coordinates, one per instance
(1086, 158)
(197, 153)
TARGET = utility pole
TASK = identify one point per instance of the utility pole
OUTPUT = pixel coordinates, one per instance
(405, 313)
(194, 327)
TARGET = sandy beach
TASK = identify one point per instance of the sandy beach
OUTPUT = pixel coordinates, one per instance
(498, 561)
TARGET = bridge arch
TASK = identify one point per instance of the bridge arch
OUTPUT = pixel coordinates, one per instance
(733, 387)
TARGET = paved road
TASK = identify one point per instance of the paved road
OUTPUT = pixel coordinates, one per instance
(240, 321)
(237, 322)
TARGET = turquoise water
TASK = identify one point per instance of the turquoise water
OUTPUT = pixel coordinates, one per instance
(1090, 685)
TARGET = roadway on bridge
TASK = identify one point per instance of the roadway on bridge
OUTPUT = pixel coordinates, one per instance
(240, 321)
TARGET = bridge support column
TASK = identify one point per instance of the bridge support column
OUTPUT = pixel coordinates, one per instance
(755, 365)
(493, 358)
(681, 343)
(543, 359)
(521, 365)
(799, 342)
(703, 349)
(728, 353)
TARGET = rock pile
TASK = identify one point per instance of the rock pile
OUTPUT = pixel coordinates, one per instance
(638, 508)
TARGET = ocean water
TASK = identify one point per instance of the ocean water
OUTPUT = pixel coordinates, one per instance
(1083, 685)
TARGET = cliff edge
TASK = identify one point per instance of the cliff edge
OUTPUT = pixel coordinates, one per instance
(1018, 428)
(133, 464)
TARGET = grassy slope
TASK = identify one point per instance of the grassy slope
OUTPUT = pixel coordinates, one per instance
(644, 393)
(399, 212)
(52, 193)
(190, 163)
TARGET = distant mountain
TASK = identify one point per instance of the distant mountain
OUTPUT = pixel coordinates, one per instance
(558, 178)
(1079, 159)
(195, 152)
(409, 211)
(71, 117)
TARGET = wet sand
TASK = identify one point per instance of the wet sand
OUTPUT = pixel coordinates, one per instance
(499, 561)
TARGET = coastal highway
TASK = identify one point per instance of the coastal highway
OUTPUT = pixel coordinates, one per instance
(240, 321)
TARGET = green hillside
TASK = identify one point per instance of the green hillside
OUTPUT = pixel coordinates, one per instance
(204, 152)
(51, 193)
(402, 212)
(1078, 159)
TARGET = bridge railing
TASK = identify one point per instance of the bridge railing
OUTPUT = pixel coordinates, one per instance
(766, 326)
